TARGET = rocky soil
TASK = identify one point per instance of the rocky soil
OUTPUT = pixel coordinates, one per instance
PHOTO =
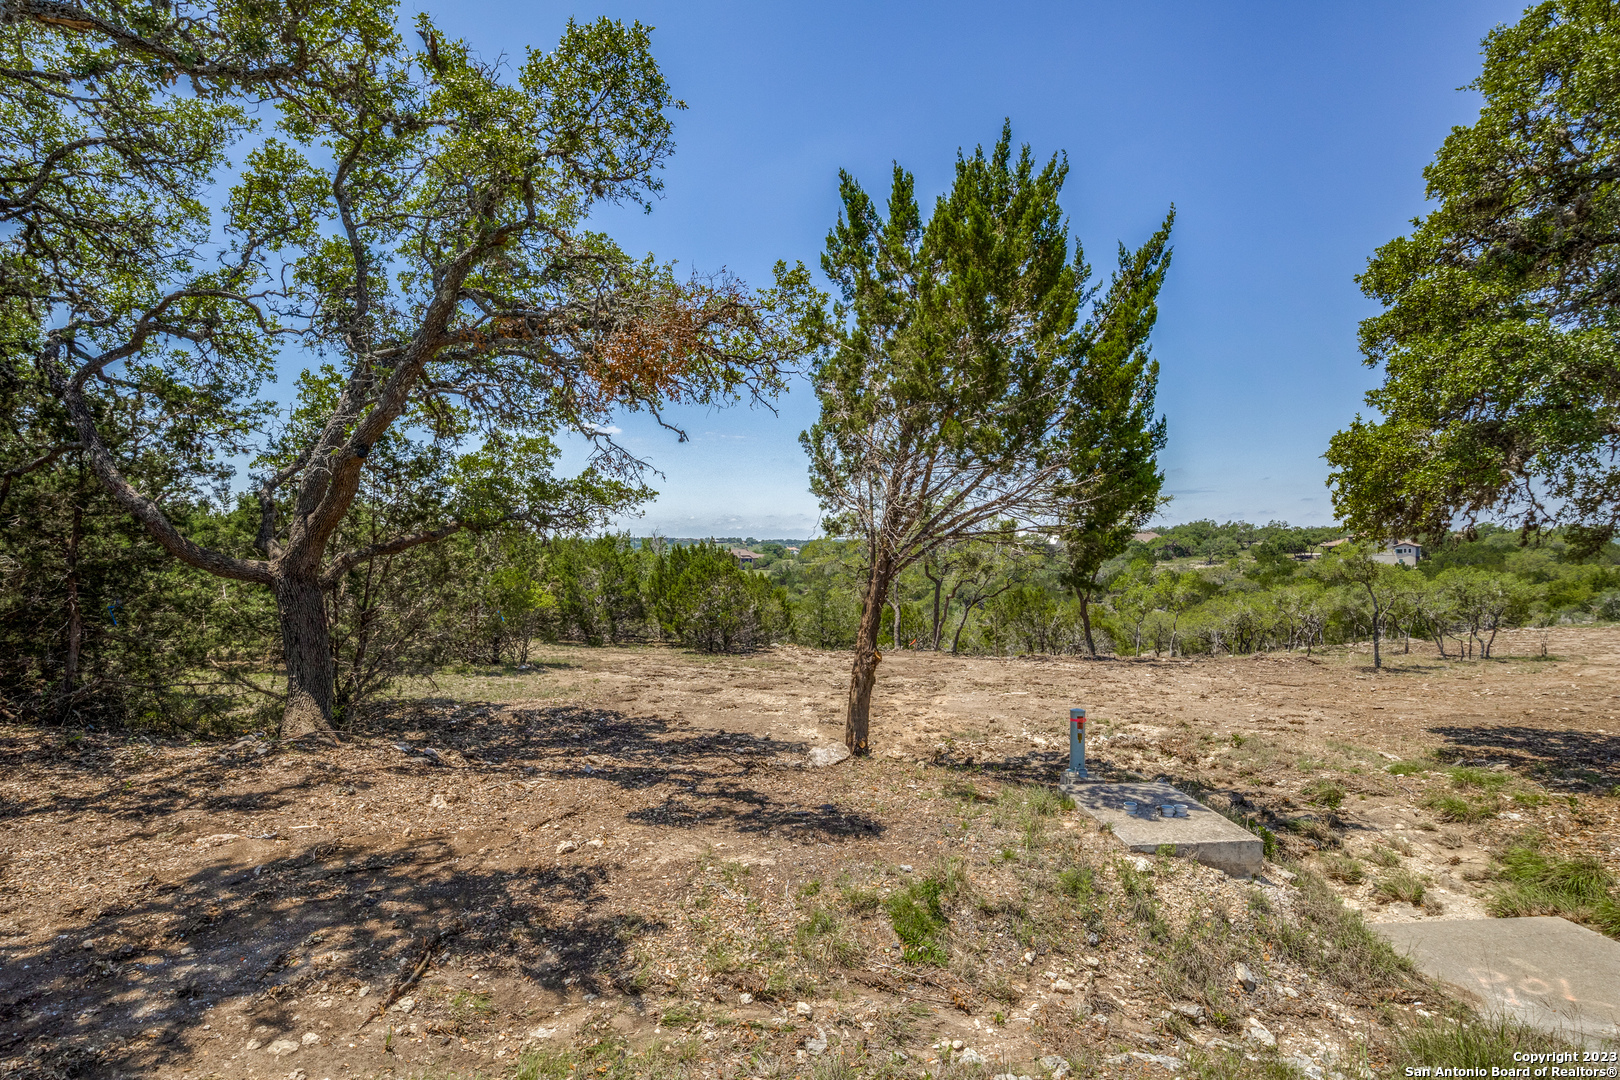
(635, 861)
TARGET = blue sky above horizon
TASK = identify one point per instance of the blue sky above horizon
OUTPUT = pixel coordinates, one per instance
(1290, 137)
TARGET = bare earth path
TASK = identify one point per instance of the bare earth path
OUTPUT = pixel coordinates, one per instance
(617, 847)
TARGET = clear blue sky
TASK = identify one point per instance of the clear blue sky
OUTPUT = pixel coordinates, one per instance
(1290, 136)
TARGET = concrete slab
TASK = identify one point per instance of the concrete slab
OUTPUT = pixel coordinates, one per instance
(1542, 970)
(1203, 835)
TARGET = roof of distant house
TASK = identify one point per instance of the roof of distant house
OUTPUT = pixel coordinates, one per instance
(1144, 537)
(1334, 543)
(744, 553)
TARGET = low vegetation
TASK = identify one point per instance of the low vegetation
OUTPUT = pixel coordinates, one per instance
(1535, 883)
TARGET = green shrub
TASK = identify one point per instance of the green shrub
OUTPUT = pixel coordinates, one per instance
(1408, 768)
(703, 599)
(917, 914)
(1078, 882)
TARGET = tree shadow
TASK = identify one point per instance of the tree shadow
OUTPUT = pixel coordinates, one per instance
(284, 921)
(722, 778)
(1593, 755)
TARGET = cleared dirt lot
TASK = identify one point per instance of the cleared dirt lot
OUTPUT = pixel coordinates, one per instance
(609, 851)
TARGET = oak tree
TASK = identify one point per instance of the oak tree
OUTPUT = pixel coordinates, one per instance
(411, 217)
(1501, 393)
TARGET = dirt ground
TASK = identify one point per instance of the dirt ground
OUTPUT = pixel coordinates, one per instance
(627, 848)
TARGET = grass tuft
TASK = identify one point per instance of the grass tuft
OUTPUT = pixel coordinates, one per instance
(1400, 885)
(1581, 889)
(1458, 809)
(1463, 776)
(1475, 1043)
(1328, 793)
(1343, 868)
(1332, 941)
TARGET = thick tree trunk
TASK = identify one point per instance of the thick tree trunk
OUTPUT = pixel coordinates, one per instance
(863, 676)
(306, 641)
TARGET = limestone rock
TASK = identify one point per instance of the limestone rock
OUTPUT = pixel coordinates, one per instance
(1057, 1066)
(970, 1056)
(1248, 978)
(282, 1046)
(822, 756)
(566, 846)
(802, 1008)
(1257, 1032)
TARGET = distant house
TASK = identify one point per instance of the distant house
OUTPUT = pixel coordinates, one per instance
(1330, 544)
(1144, 537)
(792, 551)
(747, 559)
(1400, 553)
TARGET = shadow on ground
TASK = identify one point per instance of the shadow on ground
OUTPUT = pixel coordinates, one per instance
(123, 985)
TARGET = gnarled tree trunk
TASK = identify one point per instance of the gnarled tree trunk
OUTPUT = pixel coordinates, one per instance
(306, 642)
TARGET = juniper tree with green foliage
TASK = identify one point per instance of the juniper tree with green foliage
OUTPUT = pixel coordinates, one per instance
(413, 216)
(961, 391)
(1501, 395)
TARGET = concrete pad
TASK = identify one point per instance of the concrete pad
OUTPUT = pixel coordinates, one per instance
(1545, 971)
(1203, 835)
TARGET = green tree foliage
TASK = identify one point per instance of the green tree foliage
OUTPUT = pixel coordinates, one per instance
(1501, 396)
(415, 216)
(704, 599)
(958, 393)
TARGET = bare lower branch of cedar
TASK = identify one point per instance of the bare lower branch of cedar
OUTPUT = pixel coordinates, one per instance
(243, 681)
(147, 512)
(344, 563)
(45, 459)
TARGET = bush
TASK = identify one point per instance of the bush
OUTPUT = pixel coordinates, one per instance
(702, 598)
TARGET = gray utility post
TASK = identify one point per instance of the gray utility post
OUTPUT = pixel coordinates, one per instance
(1077, 745)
